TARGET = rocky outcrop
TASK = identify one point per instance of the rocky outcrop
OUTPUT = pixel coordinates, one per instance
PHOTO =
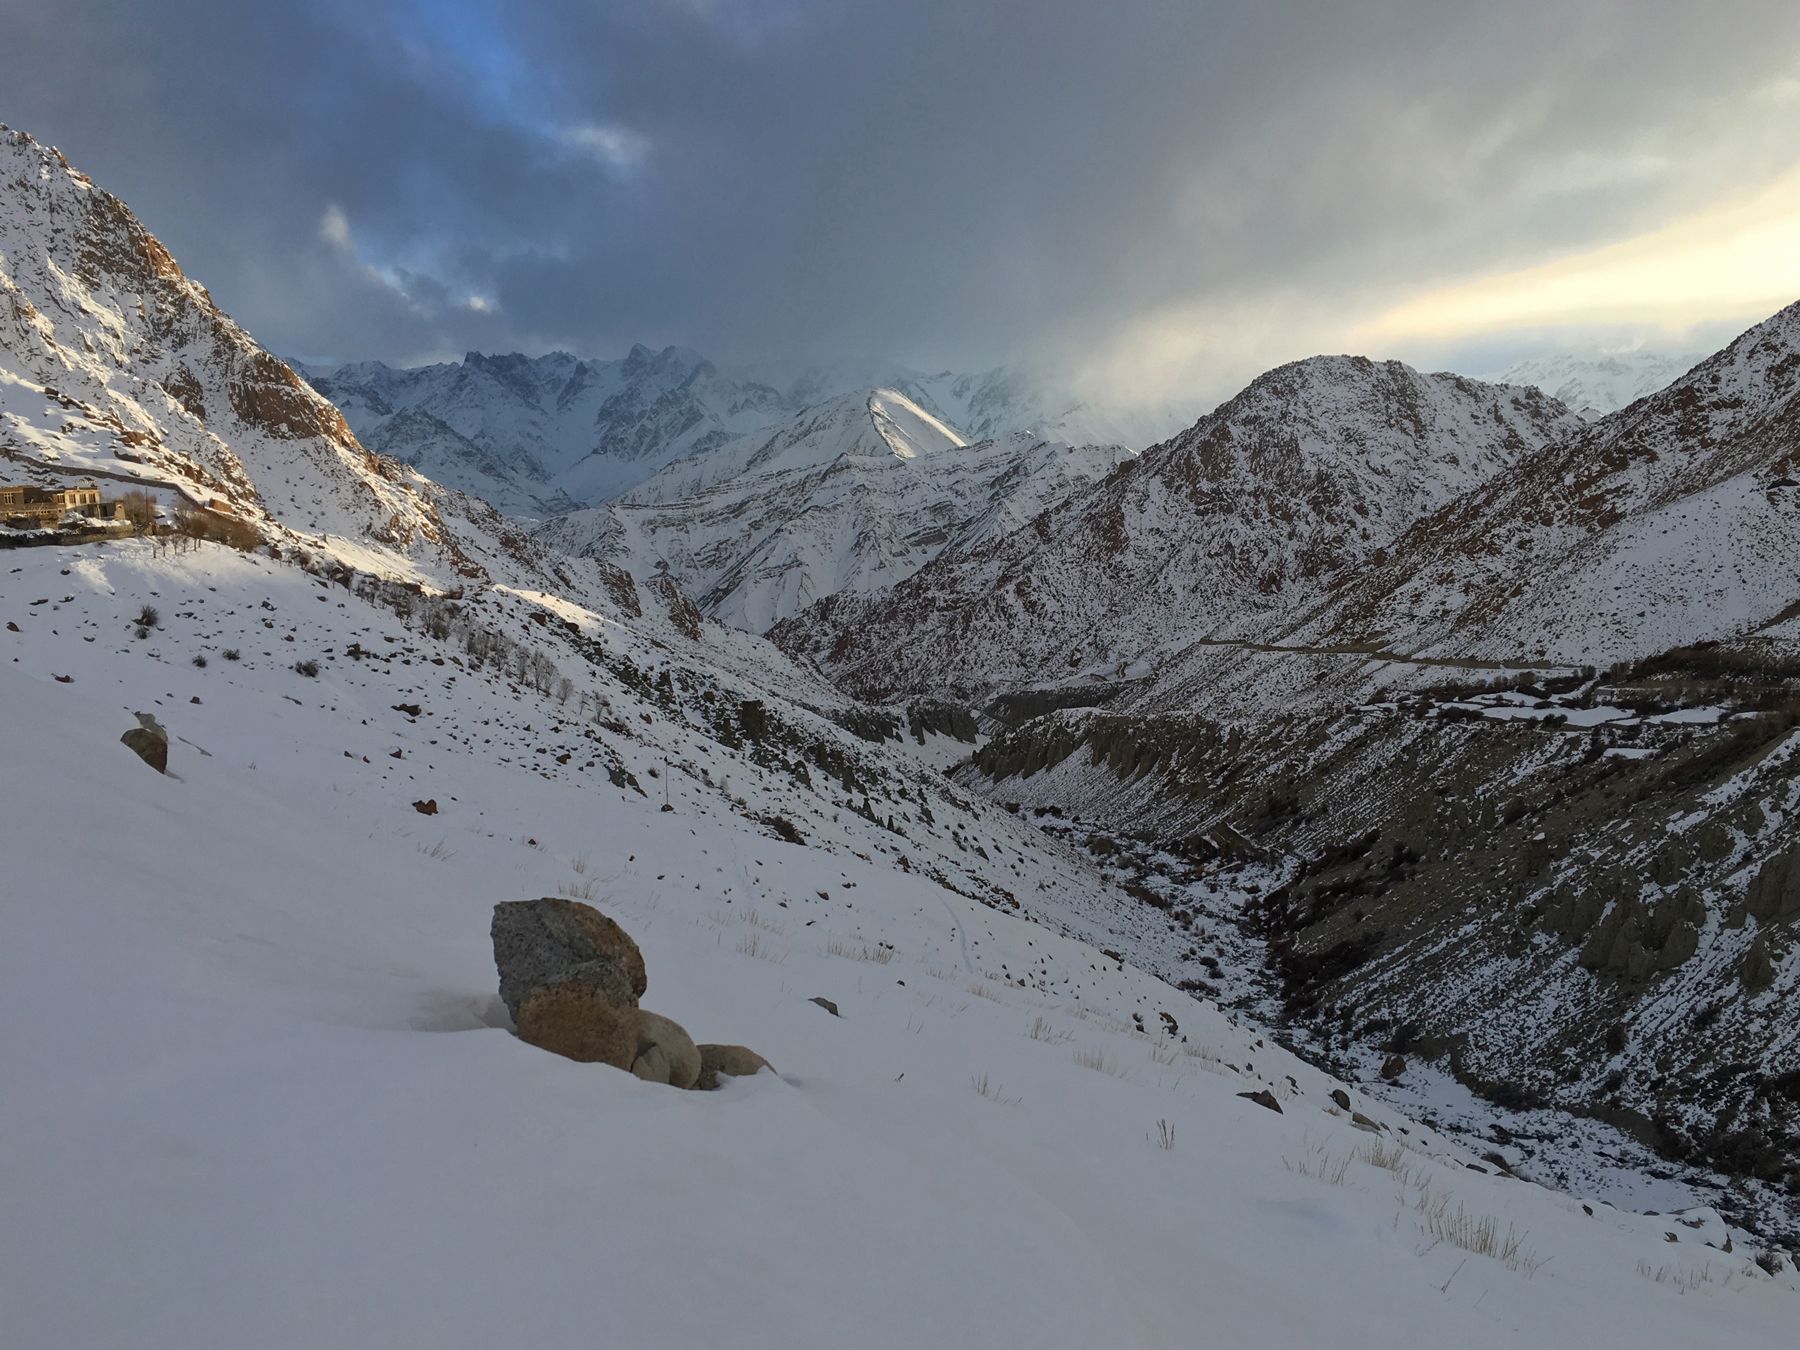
(1774, 894)
(149, 742)
(1639, 940)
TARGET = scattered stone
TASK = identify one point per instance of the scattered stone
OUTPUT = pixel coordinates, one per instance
(1263, 1097)
(827, 1005)
(1362, 1122)
(428, 807)
(665, 1052)
(1341, 1099)
(149, 742)
(1393, 1066)
(63, 679)
(410, 709)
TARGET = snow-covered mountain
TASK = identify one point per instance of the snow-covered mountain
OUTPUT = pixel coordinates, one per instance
(114, 365)
(539, 436)
(1221, 533)
(1531, 731)
(1670, 522)
(1596, 383)
(1009, 400)
(535, 435)
(851, 496)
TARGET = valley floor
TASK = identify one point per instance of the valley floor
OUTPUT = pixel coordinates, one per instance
(260, 1090)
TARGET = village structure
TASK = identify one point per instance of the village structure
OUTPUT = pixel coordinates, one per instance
(25, 507)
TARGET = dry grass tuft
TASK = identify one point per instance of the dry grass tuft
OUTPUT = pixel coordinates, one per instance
(1316, 1161)
(992, 1091)
(1097, 1061)
(859, 952)
(752, 944)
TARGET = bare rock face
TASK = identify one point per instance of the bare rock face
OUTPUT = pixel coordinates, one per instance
(665, 1052)
(571, 978)
(149, 742)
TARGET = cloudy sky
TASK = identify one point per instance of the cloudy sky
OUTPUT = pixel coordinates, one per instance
(1159, 196)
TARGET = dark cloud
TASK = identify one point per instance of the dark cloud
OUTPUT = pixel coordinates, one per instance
(934, 180)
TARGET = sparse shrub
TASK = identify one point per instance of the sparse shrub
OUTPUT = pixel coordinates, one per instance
(1164, 1137)
(149, 617)
(308, 668)
(198, 523)
(230, 654)
(200, 660)
(784, 829)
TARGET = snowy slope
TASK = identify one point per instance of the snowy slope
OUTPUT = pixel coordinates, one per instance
(278, 1103)
(854, 495)
(1221, 533)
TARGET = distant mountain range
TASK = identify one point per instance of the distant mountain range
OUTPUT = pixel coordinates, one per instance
(1596, 383)
(850, 496)
(542, 435)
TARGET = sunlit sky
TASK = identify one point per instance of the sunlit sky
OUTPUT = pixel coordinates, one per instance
(1159, 199)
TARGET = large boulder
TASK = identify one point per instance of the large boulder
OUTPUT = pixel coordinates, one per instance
(665, 1052)
(586, 1017)
(570, 977)
(149, 742)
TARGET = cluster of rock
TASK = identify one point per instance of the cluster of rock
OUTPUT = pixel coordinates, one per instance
(572, 978)
(1628, 936)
